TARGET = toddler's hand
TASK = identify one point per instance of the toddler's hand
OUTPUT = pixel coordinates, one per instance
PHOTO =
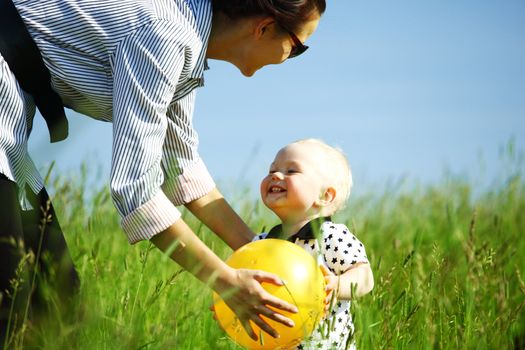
(331, 282)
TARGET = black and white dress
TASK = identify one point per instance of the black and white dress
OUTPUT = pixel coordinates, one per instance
(334, 246)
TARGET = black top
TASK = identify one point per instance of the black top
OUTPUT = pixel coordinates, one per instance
(309, 231)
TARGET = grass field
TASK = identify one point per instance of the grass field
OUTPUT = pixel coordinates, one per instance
(449, 270)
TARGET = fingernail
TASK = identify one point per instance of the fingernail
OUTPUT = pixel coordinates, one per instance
(291, 324)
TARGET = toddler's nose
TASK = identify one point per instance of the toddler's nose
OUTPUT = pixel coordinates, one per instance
(277, 176)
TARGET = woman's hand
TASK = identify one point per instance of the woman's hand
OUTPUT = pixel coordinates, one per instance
(241, 289)
(332, 284)
(249, 301)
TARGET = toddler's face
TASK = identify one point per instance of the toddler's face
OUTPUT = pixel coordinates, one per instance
(294, 184)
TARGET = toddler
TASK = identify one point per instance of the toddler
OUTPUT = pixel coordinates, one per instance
(308, 182)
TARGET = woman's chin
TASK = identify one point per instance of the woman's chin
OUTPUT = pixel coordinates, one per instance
(248, 71)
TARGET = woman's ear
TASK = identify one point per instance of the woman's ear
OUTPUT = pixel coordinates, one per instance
(261, 26)
(327, 197)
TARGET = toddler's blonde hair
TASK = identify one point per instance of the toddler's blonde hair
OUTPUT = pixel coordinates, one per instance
(336, 170)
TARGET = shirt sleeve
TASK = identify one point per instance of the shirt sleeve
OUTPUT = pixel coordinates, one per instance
(146, 68)
(340, 248)
(187, 178)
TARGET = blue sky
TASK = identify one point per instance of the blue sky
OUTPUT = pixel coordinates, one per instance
(406, 88)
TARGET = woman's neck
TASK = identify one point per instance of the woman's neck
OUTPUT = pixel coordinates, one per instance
(225, 37)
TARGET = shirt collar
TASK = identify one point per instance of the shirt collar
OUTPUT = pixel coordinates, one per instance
(309, 231)
(204, 30)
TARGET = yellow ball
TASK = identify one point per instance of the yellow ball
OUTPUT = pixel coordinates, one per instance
(304, 287)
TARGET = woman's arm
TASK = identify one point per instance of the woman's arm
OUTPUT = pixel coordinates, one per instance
(213, 210)
(248, 301)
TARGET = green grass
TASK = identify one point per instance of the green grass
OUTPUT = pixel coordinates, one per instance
(449, 270)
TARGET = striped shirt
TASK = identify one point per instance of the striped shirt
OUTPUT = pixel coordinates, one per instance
(135, 63)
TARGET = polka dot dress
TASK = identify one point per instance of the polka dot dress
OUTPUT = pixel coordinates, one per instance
(338, 249)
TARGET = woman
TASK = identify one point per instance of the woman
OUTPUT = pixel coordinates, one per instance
(137, 64)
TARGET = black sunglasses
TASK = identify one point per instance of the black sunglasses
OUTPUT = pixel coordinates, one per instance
(298, 47)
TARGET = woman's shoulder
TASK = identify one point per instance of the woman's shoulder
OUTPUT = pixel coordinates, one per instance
(196, 14)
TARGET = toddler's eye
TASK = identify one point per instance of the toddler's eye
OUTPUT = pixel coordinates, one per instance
(292, 171)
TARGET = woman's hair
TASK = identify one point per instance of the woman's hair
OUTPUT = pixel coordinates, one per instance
(288, 13)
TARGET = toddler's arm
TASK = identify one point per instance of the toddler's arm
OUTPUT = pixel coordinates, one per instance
(359, 275)
(346, 263)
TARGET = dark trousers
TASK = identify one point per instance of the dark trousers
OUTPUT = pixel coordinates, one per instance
(33, 254)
